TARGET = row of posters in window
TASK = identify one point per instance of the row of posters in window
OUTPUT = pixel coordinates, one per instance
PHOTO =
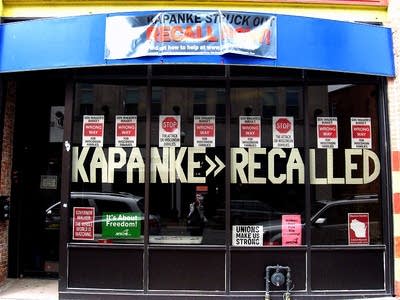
(204, 131)
(128, 226)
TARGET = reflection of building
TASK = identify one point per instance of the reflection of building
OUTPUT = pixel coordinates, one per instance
(321, 70)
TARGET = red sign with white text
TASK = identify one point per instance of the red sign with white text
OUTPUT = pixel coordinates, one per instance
(92, 131)
(204, 131)
(358, 228)
(83, 223)
(170, 131)
(361, 133)
(125, 131)
(327, 132)
(250, 131)
(283, 132)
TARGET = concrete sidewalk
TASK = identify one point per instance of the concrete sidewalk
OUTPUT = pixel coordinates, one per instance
(29, 289)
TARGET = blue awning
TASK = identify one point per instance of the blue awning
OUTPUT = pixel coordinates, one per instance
(302, 43)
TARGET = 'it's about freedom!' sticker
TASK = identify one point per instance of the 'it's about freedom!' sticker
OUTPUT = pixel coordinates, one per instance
(170, 131)
(93, 131)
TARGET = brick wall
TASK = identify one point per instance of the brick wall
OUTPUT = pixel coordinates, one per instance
(394, 120)
(6, 164)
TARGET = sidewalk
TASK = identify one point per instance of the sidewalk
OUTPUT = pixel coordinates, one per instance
(29, 289)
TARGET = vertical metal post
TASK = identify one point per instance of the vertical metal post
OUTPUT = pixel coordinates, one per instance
(147, 182)
(307, 186)
(65, 185)
(227, 179)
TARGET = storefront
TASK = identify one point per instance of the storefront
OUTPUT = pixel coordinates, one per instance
(206, 154)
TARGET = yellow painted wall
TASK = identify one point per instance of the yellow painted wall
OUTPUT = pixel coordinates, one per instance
(60, 8)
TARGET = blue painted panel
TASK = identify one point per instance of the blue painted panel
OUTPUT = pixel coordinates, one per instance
(305, 43)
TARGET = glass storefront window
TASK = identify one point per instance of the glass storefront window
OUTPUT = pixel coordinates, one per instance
(270, 195)
(267, 190)
(345, 186)
(188, 154)
(107, 190)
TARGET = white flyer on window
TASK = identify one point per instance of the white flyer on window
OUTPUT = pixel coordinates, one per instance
(250, 131)
(93, 131)
(247, 235)
(125, 131)
(282, 132)
(327, 132)
(170, 131)
(204, 131)
(361, 136)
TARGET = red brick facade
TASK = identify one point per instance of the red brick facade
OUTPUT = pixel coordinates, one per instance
(6, 165)
(394, 120)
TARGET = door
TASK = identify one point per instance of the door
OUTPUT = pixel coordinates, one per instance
(34, 237)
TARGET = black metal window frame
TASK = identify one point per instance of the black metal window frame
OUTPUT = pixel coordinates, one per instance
(227, 77)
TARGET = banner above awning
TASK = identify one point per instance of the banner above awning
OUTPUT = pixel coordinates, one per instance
(190, 33)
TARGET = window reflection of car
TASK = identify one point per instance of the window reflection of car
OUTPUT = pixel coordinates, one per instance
(103, 203)
(329, 221)
(245, 212)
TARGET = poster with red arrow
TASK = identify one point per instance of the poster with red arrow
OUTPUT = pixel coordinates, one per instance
(93, 131)
(250, 131)
(170, 131)
(283, 132)
(327, 132)
(361, 133)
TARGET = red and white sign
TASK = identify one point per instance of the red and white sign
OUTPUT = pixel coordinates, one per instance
(93, 131)
(204, 131)
(250, 131)
(291, 230)
(358, 228)
(125, 131)
(283, 132)
(83, 223)
(361, 136)
(327, 132)
(170, 131)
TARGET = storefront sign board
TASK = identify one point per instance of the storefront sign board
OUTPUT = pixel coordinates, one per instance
(125, 131)
(170, 131)
(250, 131)
(121, 225)
(190, 33)
(204, 131)
(93, 131)
(361, 133)
(83, 223)
(291, 230)
(327, 132)
(283, 132)
(247, 235)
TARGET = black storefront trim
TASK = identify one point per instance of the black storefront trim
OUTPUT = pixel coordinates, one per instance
(305, 78)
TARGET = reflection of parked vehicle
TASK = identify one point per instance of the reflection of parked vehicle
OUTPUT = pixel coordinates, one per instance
(329, 221)
(247, 212)
(102, 203)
